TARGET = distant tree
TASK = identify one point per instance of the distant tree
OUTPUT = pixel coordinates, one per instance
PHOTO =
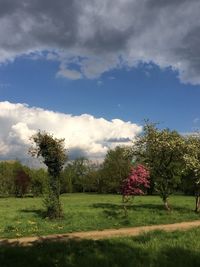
(115, 168)
(52, 152)
(8, 170)
(162, 152)
(80, 167)
(67, 180)
(22, 183)
(39, 181)
(95, 178)
(192, 166)
(7, 186)
(135, 184)
(75, 176)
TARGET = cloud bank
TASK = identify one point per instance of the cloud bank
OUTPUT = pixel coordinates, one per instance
(84, 135)
(90, 37)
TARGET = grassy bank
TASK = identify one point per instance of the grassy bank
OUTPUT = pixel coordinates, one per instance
(24, 217)
(177, 249)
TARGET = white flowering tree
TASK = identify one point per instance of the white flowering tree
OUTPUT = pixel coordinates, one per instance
(162, 152)
(192, 164)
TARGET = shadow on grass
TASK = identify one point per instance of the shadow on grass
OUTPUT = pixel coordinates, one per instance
(104, 253)
(110, 210)
(38, 212)
(160, 207)
(178, 257)
(114, 209)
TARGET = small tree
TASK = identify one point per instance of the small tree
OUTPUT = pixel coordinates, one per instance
(115, 168)
(135, 184)
(192, 165)
(53, 154)
(162, 152)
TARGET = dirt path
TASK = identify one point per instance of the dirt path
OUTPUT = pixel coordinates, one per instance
(108, 233)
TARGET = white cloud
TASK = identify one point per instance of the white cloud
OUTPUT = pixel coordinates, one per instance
(98, 36)
(70, 74)
(84, 134)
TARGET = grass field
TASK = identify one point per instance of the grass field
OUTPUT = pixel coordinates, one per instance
(24, 217)
(155, 249)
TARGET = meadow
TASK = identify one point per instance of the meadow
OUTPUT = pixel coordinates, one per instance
(82, 212)
(155, 249)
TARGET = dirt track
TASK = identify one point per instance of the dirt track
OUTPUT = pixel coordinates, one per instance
(94, 235)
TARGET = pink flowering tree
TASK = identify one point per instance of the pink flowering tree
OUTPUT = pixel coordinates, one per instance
(135, 184)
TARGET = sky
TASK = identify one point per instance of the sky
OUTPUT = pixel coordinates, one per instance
(92, 71)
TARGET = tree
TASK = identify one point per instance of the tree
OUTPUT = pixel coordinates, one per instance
(135, 184)
(80, 167)
(95, 178)
(7, 186)
(52, 152)
(75, 176)
(67, 177)
(162, 152)
(116, 167)
(192, 165)
(8, 171)
(22, 183)
(39, 181)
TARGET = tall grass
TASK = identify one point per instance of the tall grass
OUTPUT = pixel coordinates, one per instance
(24, 217)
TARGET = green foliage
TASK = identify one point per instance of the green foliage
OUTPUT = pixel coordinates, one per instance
(79, 170)
(39, 181)
(22, 183)
(187, 185)
(67, 177)
(95, 179)
(51, 150)
(8, 172)
(192, 165)
(6, 179)
(52, 200)
(53, 155)
(192, 158)
(115, 169)
(81, 175)
(162, 152)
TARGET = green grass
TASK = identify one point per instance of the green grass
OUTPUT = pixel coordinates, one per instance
(82, 212)
(156, 249)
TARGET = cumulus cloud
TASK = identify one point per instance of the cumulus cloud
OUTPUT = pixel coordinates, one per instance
(84, 135)
(70, 74)
(97, 36)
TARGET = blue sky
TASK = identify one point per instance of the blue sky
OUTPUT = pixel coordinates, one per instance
(92, 71)
(132, 94)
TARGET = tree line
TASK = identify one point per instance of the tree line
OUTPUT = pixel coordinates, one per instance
(79, 175)
(173, 161)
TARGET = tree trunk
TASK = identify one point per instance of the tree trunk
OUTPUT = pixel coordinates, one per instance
(52, 201)
(197, 207)
(166, 204)
(125, 206)
(125, 211)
